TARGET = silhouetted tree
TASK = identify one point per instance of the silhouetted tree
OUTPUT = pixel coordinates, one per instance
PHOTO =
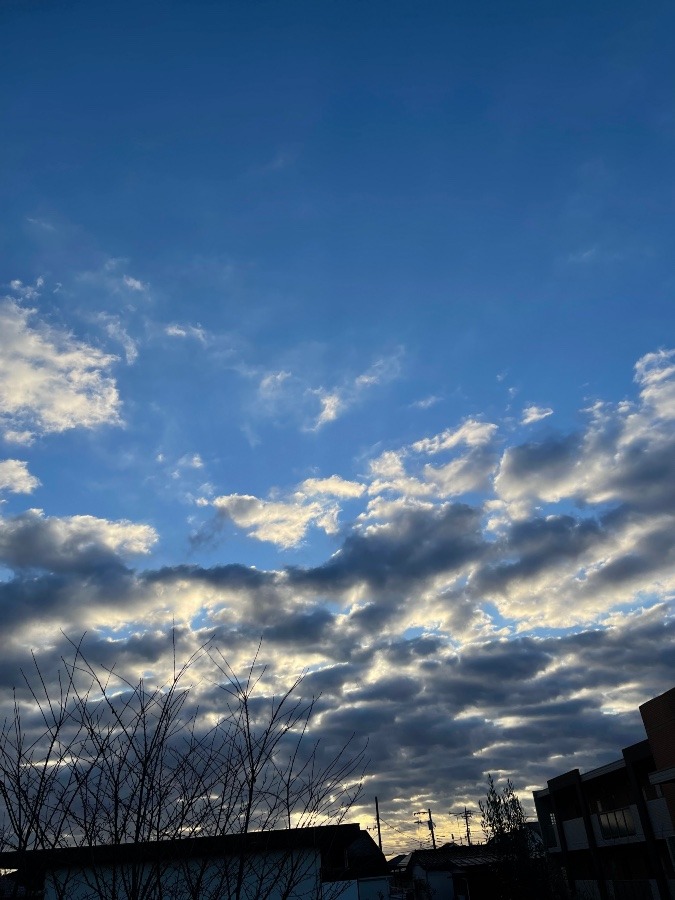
(103, 760)
(522, 870)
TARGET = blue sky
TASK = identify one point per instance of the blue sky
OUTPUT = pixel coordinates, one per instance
(376, 298)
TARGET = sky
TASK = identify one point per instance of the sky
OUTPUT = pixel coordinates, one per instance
(349, 327)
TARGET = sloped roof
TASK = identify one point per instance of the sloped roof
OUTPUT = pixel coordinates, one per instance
(334, 842)
(452, 858)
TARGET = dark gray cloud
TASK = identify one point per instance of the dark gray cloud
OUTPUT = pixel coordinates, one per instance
(546, 461)
(234, 576)
(80, 544)
(533, 546)
(300, 627)
(413, 546)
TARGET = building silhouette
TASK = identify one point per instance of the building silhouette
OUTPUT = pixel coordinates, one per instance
(611, 831)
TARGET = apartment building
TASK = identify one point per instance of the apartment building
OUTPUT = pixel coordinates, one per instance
(611, 830)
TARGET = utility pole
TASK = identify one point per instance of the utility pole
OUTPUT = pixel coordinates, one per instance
(377, 817)
(466, 815)
(430, 826)
(431, 829)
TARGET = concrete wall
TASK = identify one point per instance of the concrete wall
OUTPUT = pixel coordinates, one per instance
(440, 883)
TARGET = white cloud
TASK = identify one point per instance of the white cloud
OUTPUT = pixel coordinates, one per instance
(272, 383)
(336, 401)
(186, 331)
(382, 370)
(183, 474)
(115, 330)
(26, 291)
(25, 438)
(279, 522)
(112, 279)
(655, 373)
(535, 414)
(15, 477)
(291, 396)
(382, 509)
(333, 486)
(426, 402)
(41, 223)
(388, 465)
(120, 536)
(399, 472)
(471, 433)
(461, 475)
(332, 405)
(284, 521)
(49, 381)
(134, 284)
(389, 475)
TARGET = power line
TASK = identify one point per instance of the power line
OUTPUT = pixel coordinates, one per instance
(394, 828)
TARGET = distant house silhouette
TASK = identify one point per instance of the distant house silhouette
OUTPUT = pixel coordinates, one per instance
(611, 830)
(451, 872)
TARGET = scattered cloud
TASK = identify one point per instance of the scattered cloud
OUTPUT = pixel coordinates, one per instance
(289, 394)
(655, 374)
(15, 477)
(194, 461)
(426, 402)
(472, 433)
(332, 406)
(134, 284)
(272, 383)
(50, 381)
(382, 371)
(472, 462)
(111, 278)
(535, 414)
(283, 523)
(285, 520)
(115, 330)
(333, 487)
(335, 402)
(196, 332)
(26, 291)
(43, 224)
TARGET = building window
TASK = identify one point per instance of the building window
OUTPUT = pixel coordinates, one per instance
(617, 824)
